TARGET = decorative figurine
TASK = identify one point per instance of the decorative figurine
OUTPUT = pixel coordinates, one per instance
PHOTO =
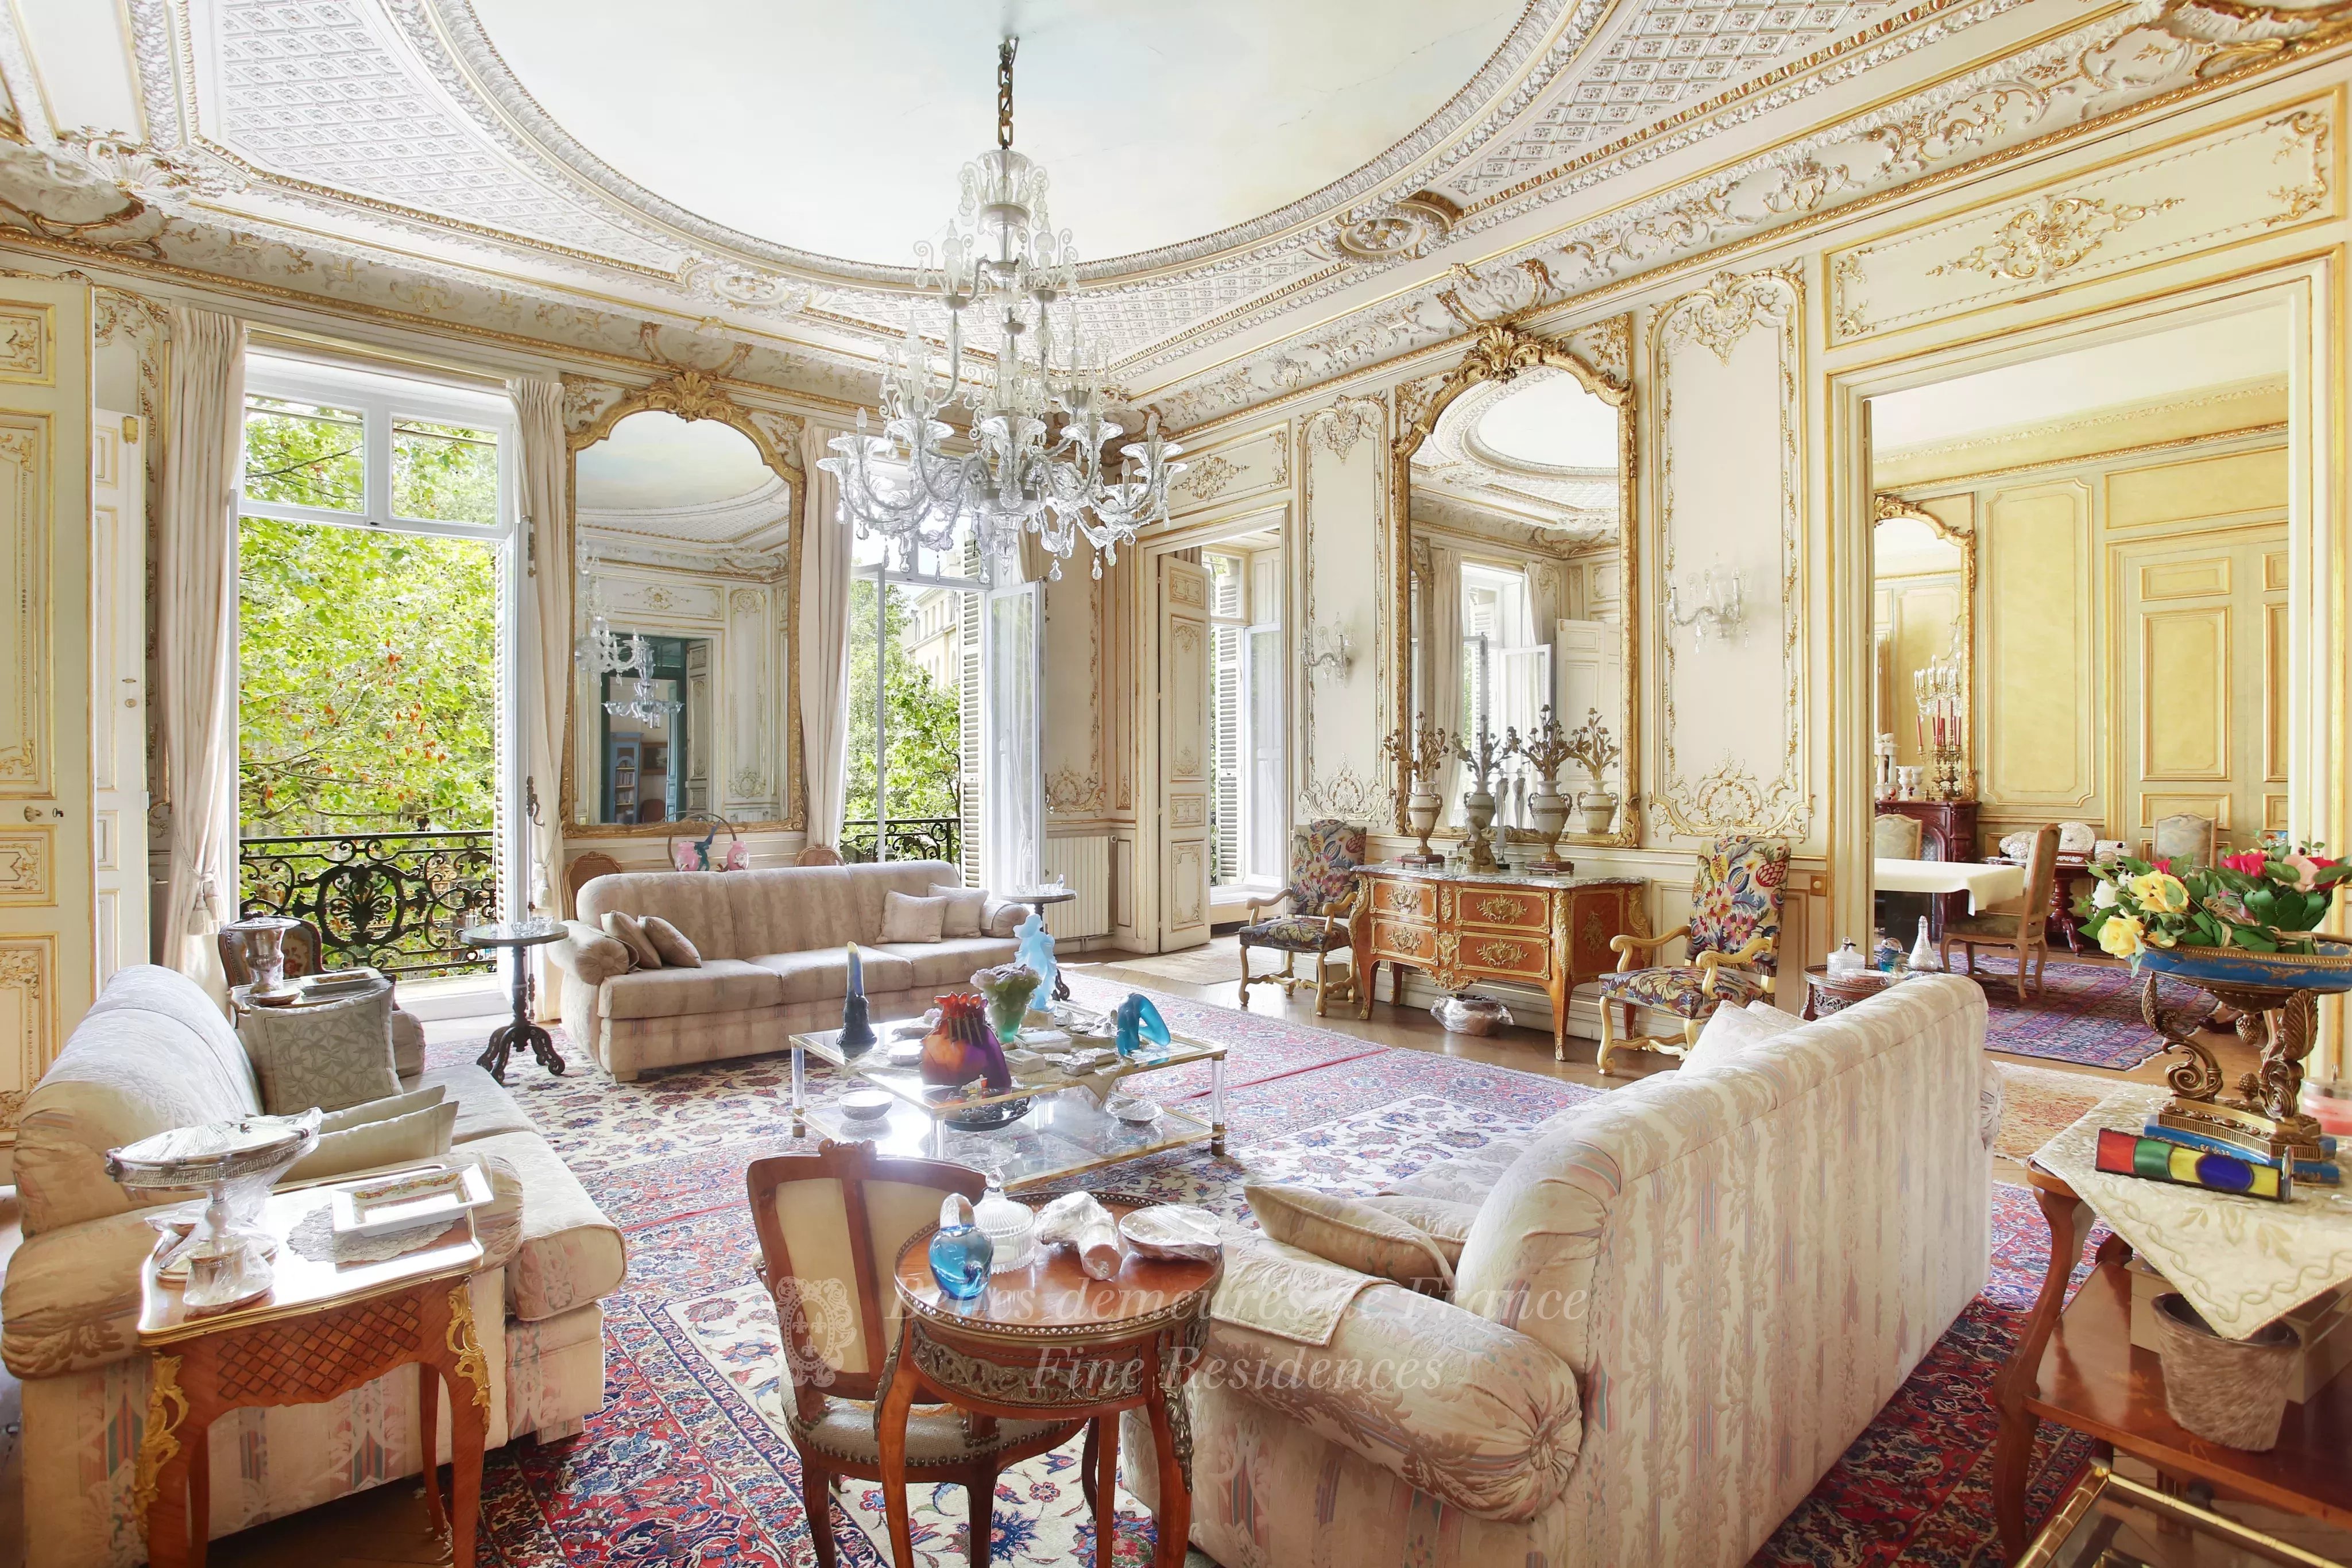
(1036, 949)
(960, 1251)
(1138, 1021)
(1008, 988)
(856, 1033)
(963, 1047)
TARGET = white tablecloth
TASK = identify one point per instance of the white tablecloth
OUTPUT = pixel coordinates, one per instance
(1983, 884)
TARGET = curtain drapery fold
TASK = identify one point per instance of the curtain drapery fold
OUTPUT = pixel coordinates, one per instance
(545, 654)
(1440, 629)
(821, 621)
(196, 638)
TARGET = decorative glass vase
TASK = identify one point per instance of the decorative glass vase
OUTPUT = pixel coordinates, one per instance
(960, 1251)
(1009, 1225)
(1008, 988)
(856, 1028)
(962, 1046)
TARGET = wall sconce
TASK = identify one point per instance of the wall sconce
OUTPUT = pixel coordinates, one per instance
(1714, 606)
(1326, 648)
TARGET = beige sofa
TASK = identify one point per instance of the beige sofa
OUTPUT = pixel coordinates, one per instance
(773, 959)
(1674, 1309)
(155, 1054)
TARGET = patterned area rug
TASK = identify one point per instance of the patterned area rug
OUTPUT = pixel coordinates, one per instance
(2089, 1014)
(689, 1461)
(2037, 1104)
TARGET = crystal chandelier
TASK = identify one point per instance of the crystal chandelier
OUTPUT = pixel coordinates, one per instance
(601, 652)
(1035, 461)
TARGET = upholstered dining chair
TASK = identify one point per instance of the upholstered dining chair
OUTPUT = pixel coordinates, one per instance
(1324, 855)
(831, 1224)
(1896, 837)
(818, 854)
(2022, 924)
(1731, 948)
(2185, 839)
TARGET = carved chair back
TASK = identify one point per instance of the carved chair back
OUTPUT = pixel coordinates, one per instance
(577, 875)
(831, 1225)
(1895, 837)
(1324, 855)
(2041, 876)
(301, 946)
(2185, 839)
(1736, 897)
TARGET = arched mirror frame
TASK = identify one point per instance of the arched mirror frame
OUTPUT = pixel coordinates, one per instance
(1886, 507)
(693, 395)
(1502, 354)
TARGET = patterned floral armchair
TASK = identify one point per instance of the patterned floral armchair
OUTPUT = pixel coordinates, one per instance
(1732, 939)
(1324, 855)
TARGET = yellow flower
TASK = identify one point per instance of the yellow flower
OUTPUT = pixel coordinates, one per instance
(2163, 893)
(2122, 936)
(2159, 939)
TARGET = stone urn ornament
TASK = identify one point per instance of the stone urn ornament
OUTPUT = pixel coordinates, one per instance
(1478, 800)
(1591, 747)
(1545, 747)
(1422, 752)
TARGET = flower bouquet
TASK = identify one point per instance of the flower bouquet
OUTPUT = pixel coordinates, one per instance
(2259, 902)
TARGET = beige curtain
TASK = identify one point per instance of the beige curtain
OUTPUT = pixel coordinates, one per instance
(545, 704)
(1546, 602)
(196, 636)
(821, 622)
(1441, 627)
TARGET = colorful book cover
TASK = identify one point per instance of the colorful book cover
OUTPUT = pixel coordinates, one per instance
(2325, 1171)
(2153, 1159)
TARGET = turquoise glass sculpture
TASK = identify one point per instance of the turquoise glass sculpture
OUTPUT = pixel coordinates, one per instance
(960, 1251)
(1036, 949)
(1137, 1022)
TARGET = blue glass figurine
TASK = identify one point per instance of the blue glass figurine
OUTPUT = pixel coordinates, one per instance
(856, 1033)
(961, 1251)
(1138, 1021)
(1036, 950)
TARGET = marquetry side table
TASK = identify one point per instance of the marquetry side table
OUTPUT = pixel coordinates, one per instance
(325, 1328)
(1047, 1343)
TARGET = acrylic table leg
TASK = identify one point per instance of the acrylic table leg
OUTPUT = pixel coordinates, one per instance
(2069, 1221)
(1217, 1104)
(800, 1091)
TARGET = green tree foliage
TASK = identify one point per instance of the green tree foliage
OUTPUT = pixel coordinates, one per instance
(367, 667)
(925, 722)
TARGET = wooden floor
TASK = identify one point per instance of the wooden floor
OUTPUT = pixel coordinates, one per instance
(386, 1525)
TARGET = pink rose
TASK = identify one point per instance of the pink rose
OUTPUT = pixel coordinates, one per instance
(2251, 862)
(2305, 869)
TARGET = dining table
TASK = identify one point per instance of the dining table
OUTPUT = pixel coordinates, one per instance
(1984, 884)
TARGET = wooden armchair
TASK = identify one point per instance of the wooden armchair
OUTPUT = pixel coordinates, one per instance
(1732, 947)
(1322, 895)
(2023, 925)
(830, 1225)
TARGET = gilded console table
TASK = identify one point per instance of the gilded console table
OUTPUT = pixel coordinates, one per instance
(1460, 927)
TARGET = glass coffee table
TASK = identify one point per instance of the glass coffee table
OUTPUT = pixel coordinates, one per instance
(1064, 1132)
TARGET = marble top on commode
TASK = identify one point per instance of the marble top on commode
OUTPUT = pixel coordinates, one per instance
(1506, 878)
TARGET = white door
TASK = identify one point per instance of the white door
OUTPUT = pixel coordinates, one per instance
(47, 977)
(1184, 758)
(118, 700)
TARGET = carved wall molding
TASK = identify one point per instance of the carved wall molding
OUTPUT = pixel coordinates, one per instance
(1731, 793)
(1349, 429)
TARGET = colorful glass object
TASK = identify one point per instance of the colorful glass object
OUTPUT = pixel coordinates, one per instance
(960, 1251)
(857, 1032)
(1137, 1020)
(1008, 988)
(1009, 1226)
(2154, 1159)
(962, 1046)
(1036, 949)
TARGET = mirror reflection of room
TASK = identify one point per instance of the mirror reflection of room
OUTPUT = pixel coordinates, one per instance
(2079, 604)
(1517, 603)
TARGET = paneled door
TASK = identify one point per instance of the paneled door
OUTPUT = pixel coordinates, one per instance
(117, 690)
(47, 914)
(2203, 711)
(1184, 758)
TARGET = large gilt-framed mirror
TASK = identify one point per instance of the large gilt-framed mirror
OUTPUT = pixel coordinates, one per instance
(1519, 587)
(685, 538)
(1923, 633)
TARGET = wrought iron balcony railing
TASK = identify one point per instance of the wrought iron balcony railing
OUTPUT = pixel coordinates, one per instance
(909, 838)
(396, 900)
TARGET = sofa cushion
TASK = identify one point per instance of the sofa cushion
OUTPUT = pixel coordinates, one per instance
(569, 1254)
(967, 907)
(719, 985)
(421, 1098)
(153, 1053)
(330, 1056)
(418, 1135)
(822, 974)
(485, 1107)
(1445, 1222)
(591, 955)
(1353, 1235)
(905, 918)
(407, 1043)
(630, 933)
(938, 965)
(1730, 1032)
(671, 943)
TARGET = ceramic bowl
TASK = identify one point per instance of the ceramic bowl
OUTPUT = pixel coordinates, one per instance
(866, 1104)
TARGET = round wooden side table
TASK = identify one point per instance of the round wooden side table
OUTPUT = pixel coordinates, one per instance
(523, 1032)
(1047, 1344)
(1826, 993)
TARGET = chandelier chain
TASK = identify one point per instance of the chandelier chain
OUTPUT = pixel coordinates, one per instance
(1005, 52)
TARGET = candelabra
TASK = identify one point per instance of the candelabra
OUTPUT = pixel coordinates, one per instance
(1942, 719)
(1718, 610)
(1595, 750)
(1478, 803)
(1545, 747)
(1422, 750)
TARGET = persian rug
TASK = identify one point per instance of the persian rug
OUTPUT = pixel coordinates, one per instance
(2089, 1014)
(688, 1462)
(2037, 1104)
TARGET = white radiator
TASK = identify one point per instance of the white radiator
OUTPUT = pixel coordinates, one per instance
(1085, 865)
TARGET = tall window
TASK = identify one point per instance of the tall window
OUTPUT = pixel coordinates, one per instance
(1505, 671)
(1246, 725)
(944, 753)
(372, 529)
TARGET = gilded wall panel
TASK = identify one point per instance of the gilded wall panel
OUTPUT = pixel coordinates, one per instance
(2199, 488)
(1076, 767)
(25, 543)
(1236, 470)
(1726, 364)
(2184, 684)
(2039, 711)
(2240, 181)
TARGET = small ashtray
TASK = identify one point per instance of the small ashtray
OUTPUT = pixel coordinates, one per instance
(435, 1197)
(866, 1105)
(1134, 1110)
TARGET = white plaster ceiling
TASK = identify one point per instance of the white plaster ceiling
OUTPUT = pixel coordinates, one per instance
(839, 128)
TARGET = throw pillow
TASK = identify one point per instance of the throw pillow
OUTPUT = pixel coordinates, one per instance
(418, 1135)
(906, 919)
(383, 1110)
(1731, 1033)
(630, 933)
(1353, 1235)
(588, 953)
(1443, 1221)
(1002, 917)
(670, 943)
(966, 907)
(331, 1056)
